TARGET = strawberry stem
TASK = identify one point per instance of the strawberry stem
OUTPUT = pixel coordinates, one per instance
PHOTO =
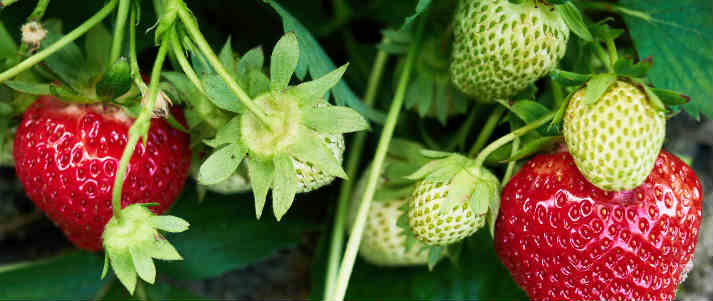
(183, 61)
(604, 57)
(352, 167)
(119, 24)
(66, 39)
(511, 164)
(133, 59)
(487, 130)
(381, 149)
(510, 137)
(458, 140)
(36, 15)
(138, 129)
(192, 27)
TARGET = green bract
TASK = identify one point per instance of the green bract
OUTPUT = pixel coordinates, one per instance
(499, 47)
(132, 240)
(297, 147)
(452, 199)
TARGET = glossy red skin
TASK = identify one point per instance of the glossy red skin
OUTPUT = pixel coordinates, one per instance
(66, 156)
(564, 239)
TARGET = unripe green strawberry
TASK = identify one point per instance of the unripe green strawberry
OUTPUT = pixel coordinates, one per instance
(308, 176)
(435, 225)
(384, 242)
(615, 141)
(499, 47)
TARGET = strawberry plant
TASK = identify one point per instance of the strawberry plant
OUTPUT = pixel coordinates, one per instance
(454, 149)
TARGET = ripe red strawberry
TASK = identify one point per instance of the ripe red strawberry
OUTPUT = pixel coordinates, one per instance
(562, 238)
(66, 157)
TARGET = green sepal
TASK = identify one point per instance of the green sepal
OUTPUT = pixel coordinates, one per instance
(567, 78)
(28, 87)
(453, 252)
(250, 61)
(229, 133)
(284, 185)
(653, 98)
(671, 98)
(311, 148)
(318, 88)
(460, 188)
(257, 83)
(226, 55)
(573, 18)
(116, 81)
(597, 87)
(261, 175)
(602, 32)
(283, 61)
(131, 240)
(627, 67)
(559, 114)
(435, 253)
(440, 170)
(221, 164)
(68, 95)
(334, 119)
(219, 94)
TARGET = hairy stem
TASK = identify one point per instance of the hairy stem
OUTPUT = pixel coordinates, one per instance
(66, 39)
(352, 167)
(118, 38)
(133, 59)
(138, 129)
(183, 62)
(39, 10)
(487, 131)
(384, 140)
(603, 56)
(510, 137)
(613, 55)
(197, 37)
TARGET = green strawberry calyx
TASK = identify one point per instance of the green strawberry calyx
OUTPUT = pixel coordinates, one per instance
(132, 239)
(297, 119)
(467, 182)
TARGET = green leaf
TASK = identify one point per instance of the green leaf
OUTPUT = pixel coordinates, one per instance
(479, 275)
(311, 148)
(314, 60)
(219, 93)
(318, 88)
(225, 235)
(97, 45)
(677, 36)
(626, 67)
(67, 63)
(597, 86)
(284, 186)
(28, 87)
(530, 111)
(229, 133)
(283, 61)
(72, 276)
(261, 175)
(226, 55)
(334, 120)
(8, 47)
(221, 164)
(653, 98)
(573, 18)
(481, 197)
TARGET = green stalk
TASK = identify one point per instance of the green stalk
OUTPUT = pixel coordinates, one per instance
(39, 10)
(133, 59)
(603, 56)
(183, 61)
(613, 56)
(118, 38)
(384, 140)
(68, 38)
(352, 167)
(462, 133)
(487, 131)
(138, 129)
(557, 94)
(511, 164)
(510, 137)
(6, 3)
(192, 27)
